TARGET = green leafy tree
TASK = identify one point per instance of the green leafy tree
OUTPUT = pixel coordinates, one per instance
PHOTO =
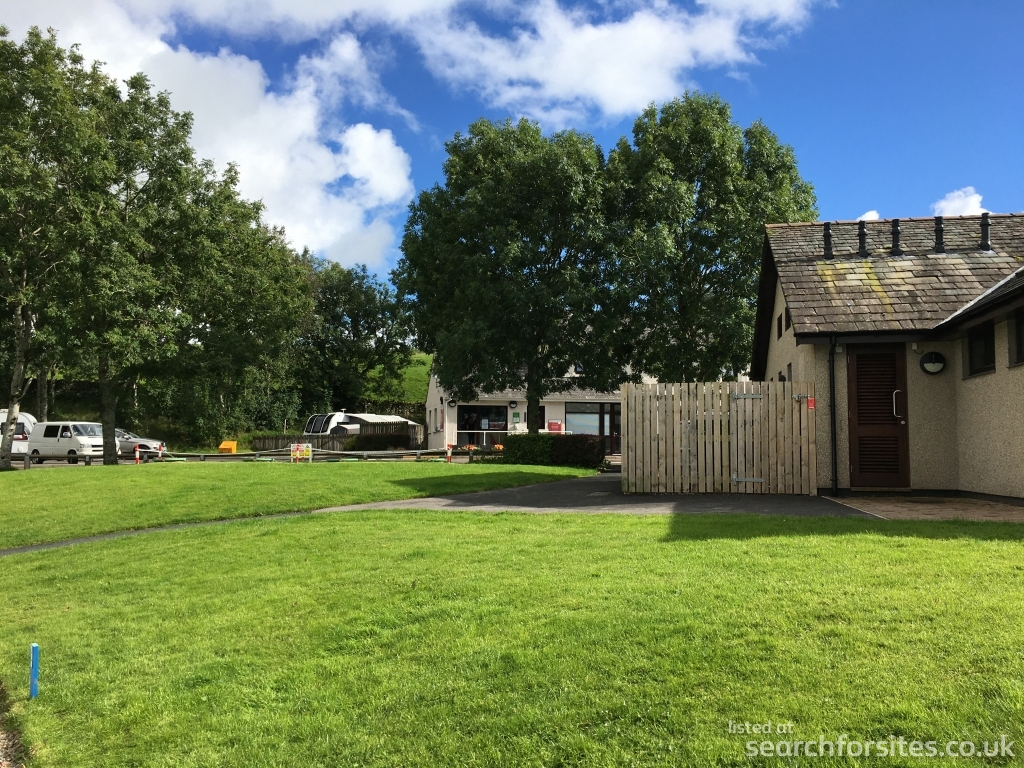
(360, 336)
(689, 199)
(503, 263)
(50, 154)
(242, 298)
(128, 311)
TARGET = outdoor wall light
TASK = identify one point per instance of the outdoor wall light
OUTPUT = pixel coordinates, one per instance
(933, 362)
(452, 403)
(513, 404)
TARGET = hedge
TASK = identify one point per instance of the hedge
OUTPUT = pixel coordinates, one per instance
(555, 450)
(382, 442)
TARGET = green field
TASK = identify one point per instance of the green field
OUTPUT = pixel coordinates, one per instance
(63, 503)
(429, 639)
(412, 388)
(416, 378)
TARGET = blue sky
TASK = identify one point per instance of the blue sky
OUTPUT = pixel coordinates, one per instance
(337, 110)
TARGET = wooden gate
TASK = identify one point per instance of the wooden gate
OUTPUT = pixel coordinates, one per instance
(719, 437)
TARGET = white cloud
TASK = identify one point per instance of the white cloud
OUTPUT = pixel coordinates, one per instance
(330, 185)
(561, 60)
(868, 216)
(959, 202)
(561, 63)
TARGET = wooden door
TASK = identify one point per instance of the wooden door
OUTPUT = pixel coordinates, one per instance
(879, 441)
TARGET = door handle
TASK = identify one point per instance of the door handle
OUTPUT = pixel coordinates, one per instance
(895, 415)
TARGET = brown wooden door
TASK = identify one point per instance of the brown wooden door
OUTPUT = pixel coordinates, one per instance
(879, 441)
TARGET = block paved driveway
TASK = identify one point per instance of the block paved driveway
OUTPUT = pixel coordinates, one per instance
(602, 494)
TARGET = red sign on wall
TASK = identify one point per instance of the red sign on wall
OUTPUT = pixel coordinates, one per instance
(810, 403)
(554, 426)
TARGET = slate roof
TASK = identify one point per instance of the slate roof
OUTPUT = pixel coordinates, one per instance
(1007, 290)
(879, 292)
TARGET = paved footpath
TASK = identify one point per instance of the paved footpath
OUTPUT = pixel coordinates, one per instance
(599, 494)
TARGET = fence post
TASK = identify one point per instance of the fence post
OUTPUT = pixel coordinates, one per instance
(28, 462)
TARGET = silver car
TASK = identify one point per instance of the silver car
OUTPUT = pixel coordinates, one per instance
(126, 442)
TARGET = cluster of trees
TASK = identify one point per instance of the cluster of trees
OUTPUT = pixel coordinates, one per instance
(541, 254)
(128, 262)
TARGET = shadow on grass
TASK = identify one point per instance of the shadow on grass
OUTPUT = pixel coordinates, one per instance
(702, 527)
(483, 481)
(12, 751)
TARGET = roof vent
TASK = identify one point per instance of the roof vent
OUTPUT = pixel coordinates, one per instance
(940, 245)
(896, 238)
(828, 239)
(986, 241)
(862, 238)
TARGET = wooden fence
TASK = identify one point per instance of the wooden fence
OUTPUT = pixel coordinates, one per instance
(719, 437)
(337, 442)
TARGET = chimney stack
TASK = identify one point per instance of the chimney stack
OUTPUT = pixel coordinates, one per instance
(828, 239)
(896, 238)
(940, 245)
(862, 238)
(986, 240)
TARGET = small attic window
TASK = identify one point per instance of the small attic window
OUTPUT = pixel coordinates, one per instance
(778, 327)
(789, 319)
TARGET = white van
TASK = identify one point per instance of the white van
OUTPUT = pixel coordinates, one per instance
(65, 440)
(26, 423)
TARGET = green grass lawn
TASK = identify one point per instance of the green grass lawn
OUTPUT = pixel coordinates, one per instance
(54, 504)
(431, 639)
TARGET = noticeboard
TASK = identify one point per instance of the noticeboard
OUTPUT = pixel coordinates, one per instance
(302, 452)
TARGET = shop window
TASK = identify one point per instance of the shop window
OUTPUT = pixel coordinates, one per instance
(981, 349)
(482, 418)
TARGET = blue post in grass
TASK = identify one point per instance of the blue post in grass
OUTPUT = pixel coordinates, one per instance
(33, 677)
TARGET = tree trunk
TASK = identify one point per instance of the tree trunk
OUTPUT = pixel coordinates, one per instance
(23, 330)
(108, 409)
(533, 391)
(43, 394)
(532, 412)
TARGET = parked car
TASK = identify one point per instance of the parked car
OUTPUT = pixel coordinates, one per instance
(68, 440)
(26, 423)
(126, 442)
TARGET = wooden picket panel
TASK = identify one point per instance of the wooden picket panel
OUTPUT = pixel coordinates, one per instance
(719, 437)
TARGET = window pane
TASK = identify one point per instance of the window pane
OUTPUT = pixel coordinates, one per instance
(582, 407)
(1020, 337)
(468, 418)
(981, 349)
(493, 417)
(583, 423)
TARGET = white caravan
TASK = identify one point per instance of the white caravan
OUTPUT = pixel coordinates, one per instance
(26, 423)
